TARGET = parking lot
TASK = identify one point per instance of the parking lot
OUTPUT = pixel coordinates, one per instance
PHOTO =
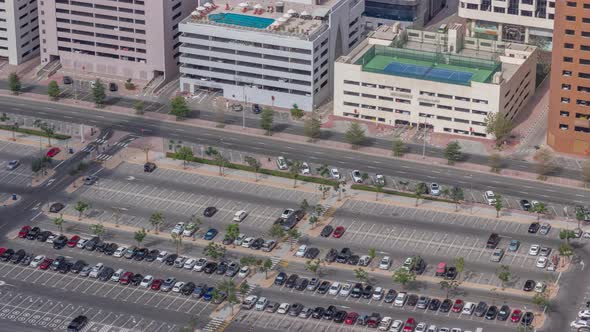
(183, 194)
(54, 315)
(22, 175)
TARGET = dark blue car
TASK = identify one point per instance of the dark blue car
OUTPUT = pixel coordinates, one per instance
(208, 294)
(211, 233)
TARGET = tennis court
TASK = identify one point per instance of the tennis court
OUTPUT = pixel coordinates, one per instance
(428, 72)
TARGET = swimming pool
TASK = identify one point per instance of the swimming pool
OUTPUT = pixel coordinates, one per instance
(242, 20)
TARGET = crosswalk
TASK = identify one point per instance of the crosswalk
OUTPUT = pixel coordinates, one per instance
(100, 140)
(275, 261)
(89, 148)
(215, 325)
(103, 157)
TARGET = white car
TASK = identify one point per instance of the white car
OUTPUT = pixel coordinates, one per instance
(283, 308)
(147, 281)
(434, 191)
(456, 329)
(385, 263)
(356, 176)
(545, 228)
(421, 327)
(82, 243)
(584, 314)
(161, 256)
(400, 299)
(261, 304)
(335, 288)
(177, 286)
(244, 271)
(443, 329)
(301, 251)
(385, 323)
(240, 216)
(540, 287)
(305, 170)
(200, 264)
(542, 262)
(490, 197)
(120, 252)
(282, 163)
(396, 326)
(248, 242)
(378, 293)
(117, 275)
(287, 213)
(345, 290)
(50, 238)
(380, 180)
(579, 323)
(431, 328)
(468, 308)
(178, 228)
(190, 263)
(334, 173)
(37, 260)
(13, 164)
(238, 241)
(534, 250)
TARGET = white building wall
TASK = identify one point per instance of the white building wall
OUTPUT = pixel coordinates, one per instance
(19, 30)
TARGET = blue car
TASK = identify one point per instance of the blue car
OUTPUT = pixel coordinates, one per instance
(514, 244)
(211, 233)
(208, 294)
(200, 290)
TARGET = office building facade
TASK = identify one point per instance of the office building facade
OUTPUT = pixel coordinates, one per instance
(19, 30)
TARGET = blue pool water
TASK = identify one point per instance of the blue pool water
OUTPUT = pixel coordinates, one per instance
(242, 20)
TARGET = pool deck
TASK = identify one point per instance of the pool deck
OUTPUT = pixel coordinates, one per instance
(379, 62)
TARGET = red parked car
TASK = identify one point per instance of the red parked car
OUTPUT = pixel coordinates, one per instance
(2, 250)
(458, 305)
(338, 232)
(24, 231)
(156, 284)
(73, 241)
(45, 264)
(351, 318)
(53, 152)
(410, 325)
(126, 278)
(516, 316)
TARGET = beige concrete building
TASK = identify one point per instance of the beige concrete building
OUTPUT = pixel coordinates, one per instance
(444, 81)
(19, 30)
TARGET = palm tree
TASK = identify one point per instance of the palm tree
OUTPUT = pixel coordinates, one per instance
(228, 286)
(156, 219)
(59, 221)
(177, 239)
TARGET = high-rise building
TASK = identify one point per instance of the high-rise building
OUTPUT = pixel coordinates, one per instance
(135, 39)
(416, 13)
(19, 30)
(569, 102)
(520, 21)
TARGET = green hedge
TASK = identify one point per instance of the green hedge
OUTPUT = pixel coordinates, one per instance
(35, 132)
(272, 172)
(397, 193)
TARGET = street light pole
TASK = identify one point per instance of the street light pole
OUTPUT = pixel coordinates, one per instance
(424, 139)
(245, 105)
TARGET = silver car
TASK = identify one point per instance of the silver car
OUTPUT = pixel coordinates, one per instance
(13, 164)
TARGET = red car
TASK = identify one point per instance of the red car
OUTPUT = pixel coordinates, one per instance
(53, 152)
(156, 284)
(458, 305)
(2, 250)
(73, 241)
(338, 232)
(45, 263)
(24, 231)
(410, 325)
(516, 316)
(351, 318)
(126, 278)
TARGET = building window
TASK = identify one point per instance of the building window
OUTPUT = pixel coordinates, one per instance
(570, 18)
(568, 59)
(563, 87)
(571, 4)
(564, 113)
(563, 126)
(565, 100)
(584, 62)
(570, 32)
(568, 45)
(567, 73)
(585, 34)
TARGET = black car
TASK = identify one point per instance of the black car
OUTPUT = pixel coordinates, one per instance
(329, 313)
(149, 167)
(110, 248)
(188, 288)
(434, 304)
(200, 290)
(101, 246)
(152, 255)
(280, 279)
(528, 285)
(412, 300)
(290, 283)
(295, 309)
(140, 254)
(106, 274)
(343, 256)
(210, 267)
(65, 267)
(481, 309)
(33, 233)
(353, 260)
(318, 312)
(339, 316)
(7, 255)
(210, 211)
(503, 313)
(526, 205)
(136, 279)
(312, 253)
(390, 296)
(527, 319)
(91, 244)
(67, 80)
(256, 109)
(534, 227)
(356, 291)
(257, 244)
(113, 87)
(78, 323)
(301, 284)
(26, 261)
(327, 231)
(54, 208)
(492, 312)
(56, 262)
(324, 287)
(170, 259)
(331, 255)
(446, 305)
(60, 242)
(451, 273)
(221, 268)
(18, 256)
(78, 266)
(43, 236)
(368, 292)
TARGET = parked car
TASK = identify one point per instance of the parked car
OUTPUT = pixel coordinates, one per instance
(149, 167)
(210, 211)
(282, 163)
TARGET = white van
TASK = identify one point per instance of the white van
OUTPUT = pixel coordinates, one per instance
(240, 215)
(468, 308)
